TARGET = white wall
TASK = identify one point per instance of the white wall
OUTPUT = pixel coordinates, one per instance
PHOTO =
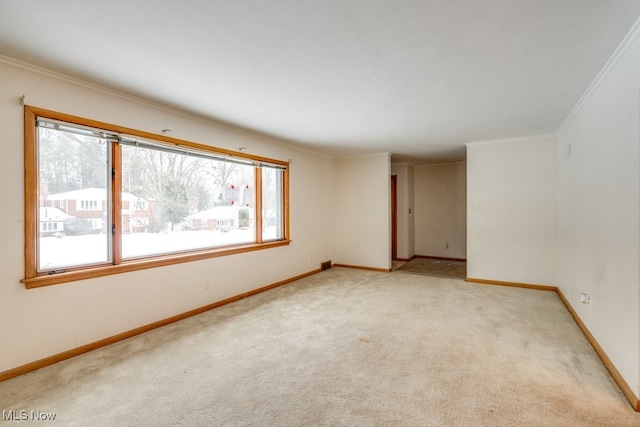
(362, 208)
(441, 210)
(598, 212)
(406, 210)
(40, 322)
(511, 212)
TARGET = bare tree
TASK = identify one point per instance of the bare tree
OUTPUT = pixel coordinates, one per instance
(70, 162)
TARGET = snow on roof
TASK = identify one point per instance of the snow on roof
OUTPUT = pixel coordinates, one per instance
(53, 214)
(84, 194)
(98, 194)
(131, 197)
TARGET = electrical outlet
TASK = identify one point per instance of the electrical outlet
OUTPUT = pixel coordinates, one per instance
(446, 245)
(585, 298)
(206, 285)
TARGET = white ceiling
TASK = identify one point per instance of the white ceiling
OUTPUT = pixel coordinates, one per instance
(417, 78)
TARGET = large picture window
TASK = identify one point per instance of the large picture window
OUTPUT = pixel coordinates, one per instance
(102, 199)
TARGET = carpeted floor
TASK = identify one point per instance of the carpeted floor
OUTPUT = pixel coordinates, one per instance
(436, 268)
(343, 347)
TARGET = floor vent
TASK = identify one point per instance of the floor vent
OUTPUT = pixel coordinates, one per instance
(325, 265)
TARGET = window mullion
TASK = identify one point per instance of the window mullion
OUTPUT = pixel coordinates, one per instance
(285, 205)
(116, 201)
(258, 207)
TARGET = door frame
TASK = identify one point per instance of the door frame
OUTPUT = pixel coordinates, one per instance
(394, 217)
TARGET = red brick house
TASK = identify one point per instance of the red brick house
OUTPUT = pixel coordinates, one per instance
(86, 208)
(214, 219)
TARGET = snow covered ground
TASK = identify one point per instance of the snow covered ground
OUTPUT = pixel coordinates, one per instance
(70, 251)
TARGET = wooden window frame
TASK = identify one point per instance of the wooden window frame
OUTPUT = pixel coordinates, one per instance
(34, 279)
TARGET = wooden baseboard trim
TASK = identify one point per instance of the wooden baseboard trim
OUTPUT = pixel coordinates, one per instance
(626, 390)
(444, 258)
(359, 267)
(405, 259)
(513, 284)
(32, 366)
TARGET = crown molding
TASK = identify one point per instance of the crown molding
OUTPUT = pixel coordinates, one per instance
(506, 140)
(622, 48)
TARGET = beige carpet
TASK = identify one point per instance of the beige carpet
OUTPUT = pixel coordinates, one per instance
(436, 268)
(343, 347)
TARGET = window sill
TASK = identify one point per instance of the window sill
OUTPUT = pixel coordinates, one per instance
(141, 264)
